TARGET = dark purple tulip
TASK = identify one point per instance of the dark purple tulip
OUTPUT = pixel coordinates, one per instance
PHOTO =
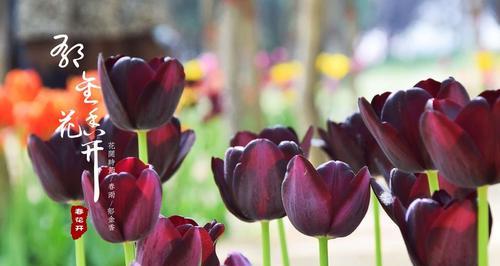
(237, 259)
(406, 187)
(140, 95)
(396, 126)
(276, 134)
(439, 230)
(249, 178)
(351, 142)
(167, 145)
(59, 163)
(466, 148)
(180, 241)
(131, 195)
(328, 201)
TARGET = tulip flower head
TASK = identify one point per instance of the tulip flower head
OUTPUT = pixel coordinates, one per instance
(276, 134)
(249, 178)
(236, 259)
(329, 201)
(168, 145)
(351, 142)
(404, 188)
(180, 241)
(130, 200)
(439, 230)
(465, 145)
(140, 95)
(394, 122)
(59, 163)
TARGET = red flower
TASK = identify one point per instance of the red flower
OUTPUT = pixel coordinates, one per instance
(180, 241)
(59, 163)
(351, 142)
(140, 95)
(327, 201)
(249, 178)
(466, 147)
(129, 202)
(395, 123)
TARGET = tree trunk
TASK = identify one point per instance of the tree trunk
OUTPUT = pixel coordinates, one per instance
(309, 42)
(5, 37)
(238, 47)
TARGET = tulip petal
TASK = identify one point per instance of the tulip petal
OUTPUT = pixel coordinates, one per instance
(453, 91)
(158, 101)
(48, 169)
(153, 249)
(242, 138)
(289, 149)
(187, 140)
(378, 102)
(402, 111)
(99, 211)
(131, 165)
(305, 145)
(432, 86)
(237, 259)
(444, 138)
(306, 198)
(451, 238)
(419, 217)
(118, 113)
(186, 251)
(353, 207)
(385, 198)
(478, 121)
(390, 141)
(344, 146)
(224, 190)
(278, 134)
(144, 211)
(257, 180)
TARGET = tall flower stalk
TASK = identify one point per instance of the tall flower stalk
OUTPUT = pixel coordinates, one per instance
(376, 225)
(284, 247)
(266, 244)
(432, 176)
(482, 226)
(129, 251)
(323, 250)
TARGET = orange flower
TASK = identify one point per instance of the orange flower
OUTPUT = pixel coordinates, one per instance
(6, 109)
(22, 85)
(41, 116)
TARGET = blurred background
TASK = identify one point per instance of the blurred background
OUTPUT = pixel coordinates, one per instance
(249, 64)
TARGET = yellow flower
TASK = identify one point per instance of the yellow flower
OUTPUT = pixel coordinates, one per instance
(285, 72)
(193, 70)
(189, 98)
(484, 60)
(334, 66)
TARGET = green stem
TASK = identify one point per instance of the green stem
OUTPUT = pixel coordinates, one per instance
(284, 248)
(266, 245)
(323, 251)
(129, 251)
(482, 226)
(142, 136)
(80, 251)
(432, 177)
(376, 224)
(79, 243)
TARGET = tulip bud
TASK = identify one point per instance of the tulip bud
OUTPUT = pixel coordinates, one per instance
(130, 200)
(328, 201)
(140, 95)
